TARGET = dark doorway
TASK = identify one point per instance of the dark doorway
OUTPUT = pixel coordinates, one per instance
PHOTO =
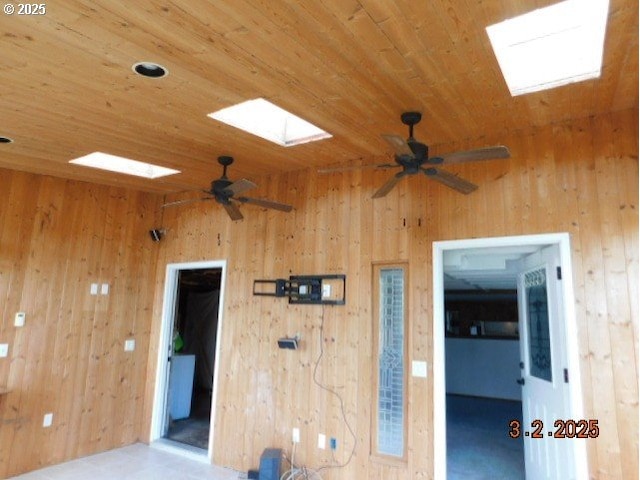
(193, 357)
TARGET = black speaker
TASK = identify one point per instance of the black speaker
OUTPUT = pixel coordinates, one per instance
(156, 234)
(270, 464)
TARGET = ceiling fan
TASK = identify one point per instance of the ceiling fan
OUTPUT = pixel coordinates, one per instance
(413, 157)
(227, 193)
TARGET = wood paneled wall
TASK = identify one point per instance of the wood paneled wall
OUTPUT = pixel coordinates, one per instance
(579, 177)
(56, 238)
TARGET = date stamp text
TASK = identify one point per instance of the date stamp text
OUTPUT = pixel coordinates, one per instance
(563, 429)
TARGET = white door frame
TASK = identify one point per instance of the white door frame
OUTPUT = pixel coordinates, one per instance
(166, 330)
(571, 336)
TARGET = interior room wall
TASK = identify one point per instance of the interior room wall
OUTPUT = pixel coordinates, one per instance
(57, 238)
(579, 177)
(482, 367)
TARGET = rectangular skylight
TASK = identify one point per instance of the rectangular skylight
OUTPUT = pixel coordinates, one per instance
(266, 120)
(551, 46)
(112, 163)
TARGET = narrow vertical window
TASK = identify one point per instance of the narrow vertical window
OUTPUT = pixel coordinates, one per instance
(390, 355)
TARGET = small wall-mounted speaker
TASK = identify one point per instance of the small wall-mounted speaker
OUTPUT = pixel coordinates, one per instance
(156, 234)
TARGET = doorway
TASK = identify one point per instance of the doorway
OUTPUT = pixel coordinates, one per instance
(478, 267)
(184, 406)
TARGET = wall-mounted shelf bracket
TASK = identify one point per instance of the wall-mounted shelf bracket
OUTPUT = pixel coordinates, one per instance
(305, 289)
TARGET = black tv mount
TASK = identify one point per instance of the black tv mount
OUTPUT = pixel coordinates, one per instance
(305, 289)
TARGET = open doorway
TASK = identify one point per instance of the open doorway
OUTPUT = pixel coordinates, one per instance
(481, 360)
(193, 357)
(188, 357)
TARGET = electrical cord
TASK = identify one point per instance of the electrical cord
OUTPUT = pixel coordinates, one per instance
(338, 396)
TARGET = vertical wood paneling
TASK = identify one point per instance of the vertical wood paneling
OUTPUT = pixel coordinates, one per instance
(579, 177)
(57, 237)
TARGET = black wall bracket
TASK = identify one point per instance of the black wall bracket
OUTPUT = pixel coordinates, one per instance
(305, 289)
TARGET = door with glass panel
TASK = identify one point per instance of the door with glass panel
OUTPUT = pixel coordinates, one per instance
(545, 391)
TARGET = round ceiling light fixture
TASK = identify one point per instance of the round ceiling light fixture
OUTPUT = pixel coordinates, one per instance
(6, 140)
(150, 69)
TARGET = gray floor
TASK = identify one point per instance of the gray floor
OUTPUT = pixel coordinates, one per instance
(135, 462)
(478, 444)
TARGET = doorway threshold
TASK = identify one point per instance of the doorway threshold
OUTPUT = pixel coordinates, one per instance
(182, 449)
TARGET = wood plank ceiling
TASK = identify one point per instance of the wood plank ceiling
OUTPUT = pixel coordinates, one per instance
(349, 66)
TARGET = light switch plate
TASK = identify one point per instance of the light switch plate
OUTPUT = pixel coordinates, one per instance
(94, 289)
(19, 320)
(129, 345)
(4, 349)
(104, 290)
(419, 369)
(47, 421)
(322, 441)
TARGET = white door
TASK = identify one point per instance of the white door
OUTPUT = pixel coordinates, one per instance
(545, 389)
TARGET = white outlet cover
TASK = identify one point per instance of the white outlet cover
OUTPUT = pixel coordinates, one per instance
(129, 345)
(295, 436)
(419, 369)
(322, 441)
(104, 290)
(19, 320)
(48, 420)
(4, 349)
(94, 289)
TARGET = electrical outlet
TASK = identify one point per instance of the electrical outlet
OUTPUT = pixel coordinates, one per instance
(322, 441)
(19, 319)
(48, 420)
(94, 289)
(129, 345)
(104, 289)
(333, 443)
(295, 435)
(4, 349)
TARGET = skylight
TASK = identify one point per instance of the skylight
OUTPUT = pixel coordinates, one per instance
(266, 120)
(551, 46)
(112, 163)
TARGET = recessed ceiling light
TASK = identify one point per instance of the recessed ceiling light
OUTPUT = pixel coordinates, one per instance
(112, 163)
(6, 140)
(149, 69)
(551, 46)
(266, 120)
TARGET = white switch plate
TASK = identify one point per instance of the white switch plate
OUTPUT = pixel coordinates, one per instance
(129, 345)
(19, 320)
(48, 420)
(295, 435)
(322, 441)
(94, 289)
(4, 349)
(104, 290)
(419, 369)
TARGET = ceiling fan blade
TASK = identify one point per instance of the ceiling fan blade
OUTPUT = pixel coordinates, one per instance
(233, 211)
(450, 180)
(358, 167)
(400, 146)
(387, 187)
(266, 204)
(182, 202)
(240, 186)
(487, 153)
